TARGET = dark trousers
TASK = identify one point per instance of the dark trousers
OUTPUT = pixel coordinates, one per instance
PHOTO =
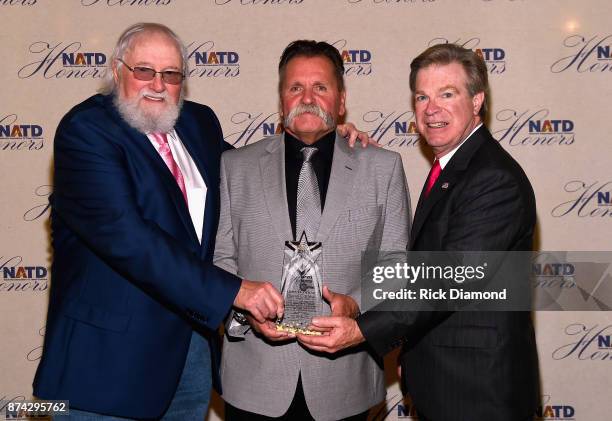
(298, 411)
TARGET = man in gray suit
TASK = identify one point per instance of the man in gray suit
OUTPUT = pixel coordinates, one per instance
(360, 200)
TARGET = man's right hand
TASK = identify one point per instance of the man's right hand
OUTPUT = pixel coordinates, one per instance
(261, 300)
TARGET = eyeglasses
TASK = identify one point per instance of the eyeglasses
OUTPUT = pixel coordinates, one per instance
(146, 74)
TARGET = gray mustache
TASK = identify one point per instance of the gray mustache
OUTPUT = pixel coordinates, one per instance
(314, 109)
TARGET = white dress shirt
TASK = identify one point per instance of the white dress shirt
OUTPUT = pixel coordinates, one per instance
(446, 158)
(194, 183)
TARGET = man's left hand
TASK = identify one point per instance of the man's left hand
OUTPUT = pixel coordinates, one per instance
(348, 130)
(341, 305)
(338, 333)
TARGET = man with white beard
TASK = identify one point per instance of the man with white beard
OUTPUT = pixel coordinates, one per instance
(135, 299)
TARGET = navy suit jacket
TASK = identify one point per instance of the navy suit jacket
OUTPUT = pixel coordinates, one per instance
(130, 280)
(479, 365)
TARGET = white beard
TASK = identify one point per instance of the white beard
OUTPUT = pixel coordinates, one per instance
(145, 120)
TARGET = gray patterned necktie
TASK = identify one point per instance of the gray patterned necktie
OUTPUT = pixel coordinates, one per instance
(308, 204)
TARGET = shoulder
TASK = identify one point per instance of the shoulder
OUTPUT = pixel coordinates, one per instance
(253, 150)
(382, 159)
(92, 109)
(198, 110)
(493, 170)
(492, 159)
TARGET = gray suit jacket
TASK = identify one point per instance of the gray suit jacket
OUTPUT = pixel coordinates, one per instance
(366, 207)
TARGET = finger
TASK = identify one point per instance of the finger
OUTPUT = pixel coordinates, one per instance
(312, 340)
(270, 331)
(328, 294)
(365, 139)
(353, 136)
(278, 300)
(374, 143)
(327, 321)
(319, 349)
(320, 329)
(269, 307)
(257, 314)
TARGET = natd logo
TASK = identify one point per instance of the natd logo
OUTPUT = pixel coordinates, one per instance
(589, 199)
(257, 2)
(604, 198)
(63, 61)
(533, 128)
(592, 343)
(554, 411)
(494, 57)
(18, 136)
(392, 128)
(604, 341)
(207, 61)
(357, 62)
(587, 55)
(17, 2)
(20, 278)
(398, 405)
(552, 271)
(252, 127)
(126, 2)
(563, 270)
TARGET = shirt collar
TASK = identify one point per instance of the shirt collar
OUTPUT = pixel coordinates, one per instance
(446, 158)
(325, 145)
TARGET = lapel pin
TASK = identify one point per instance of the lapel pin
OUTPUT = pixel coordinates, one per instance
(444, 186)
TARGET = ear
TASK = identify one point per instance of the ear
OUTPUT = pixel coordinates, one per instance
(342, 108)
(477, 101)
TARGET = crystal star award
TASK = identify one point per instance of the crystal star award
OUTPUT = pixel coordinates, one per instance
(301, 286)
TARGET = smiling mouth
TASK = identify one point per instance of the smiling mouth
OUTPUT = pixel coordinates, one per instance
(437, 125)
(153, 98)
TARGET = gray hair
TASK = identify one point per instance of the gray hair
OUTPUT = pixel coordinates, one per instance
(125, 42)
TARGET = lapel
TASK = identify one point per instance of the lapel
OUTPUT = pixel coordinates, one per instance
(196, 143)
(452, 173)
(341, 179)
(272, 170)
(144, 144)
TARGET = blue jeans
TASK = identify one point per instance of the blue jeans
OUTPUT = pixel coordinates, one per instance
(192, 395)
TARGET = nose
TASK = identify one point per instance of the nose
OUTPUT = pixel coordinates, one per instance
(157, 84)
(307, 96)
(432, 107)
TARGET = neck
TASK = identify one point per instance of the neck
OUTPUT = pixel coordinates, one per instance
(309, 138)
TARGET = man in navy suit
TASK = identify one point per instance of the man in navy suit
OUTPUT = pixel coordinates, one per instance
(135, 207)
(464, 365)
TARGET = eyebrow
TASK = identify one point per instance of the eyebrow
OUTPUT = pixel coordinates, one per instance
(150, 65)
(451, 87)
(444, 88)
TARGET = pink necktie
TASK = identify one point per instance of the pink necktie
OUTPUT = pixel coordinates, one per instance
(166, 154)
(434, 173)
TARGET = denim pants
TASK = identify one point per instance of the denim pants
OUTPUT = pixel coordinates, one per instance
(190, 402)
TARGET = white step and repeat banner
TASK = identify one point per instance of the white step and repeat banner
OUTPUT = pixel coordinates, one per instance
(550, 67)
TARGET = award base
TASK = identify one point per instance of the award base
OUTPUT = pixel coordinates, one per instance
(296, 329)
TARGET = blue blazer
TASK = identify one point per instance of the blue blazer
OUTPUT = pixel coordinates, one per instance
(130, 280)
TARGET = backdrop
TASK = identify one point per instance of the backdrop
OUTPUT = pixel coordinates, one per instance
(550, 66)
